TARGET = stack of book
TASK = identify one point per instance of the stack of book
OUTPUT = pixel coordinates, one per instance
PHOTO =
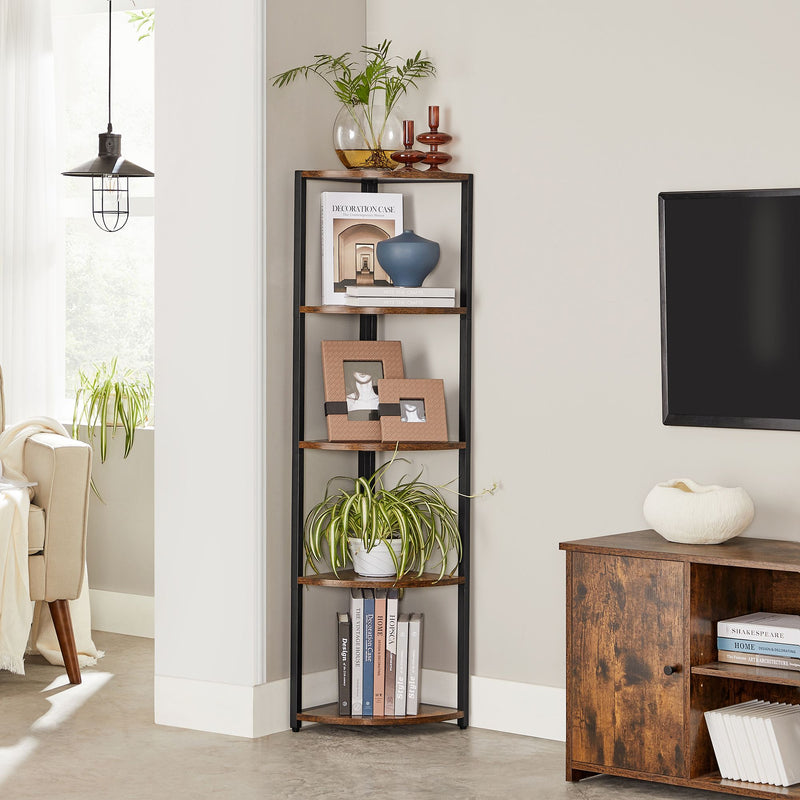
(762, 639)
(403, 296)
(379, 654)
(757, 742)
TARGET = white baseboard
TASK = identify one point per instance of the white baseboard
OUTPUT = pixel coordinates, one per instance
(507, 706)
(116, 612)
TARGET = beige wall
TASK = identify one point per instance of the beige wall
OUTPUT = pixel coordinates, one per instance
(573, 116)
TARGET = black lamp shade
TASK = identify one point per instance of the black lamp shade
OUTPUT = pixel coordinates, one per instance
(109, 161)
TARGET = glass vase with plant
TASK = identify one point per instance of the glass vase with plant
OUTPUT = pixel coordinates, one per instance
(366, 131)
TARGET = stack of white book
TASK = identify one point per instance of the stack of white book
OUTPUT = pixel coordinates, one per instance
(402, 296)
(757, 741)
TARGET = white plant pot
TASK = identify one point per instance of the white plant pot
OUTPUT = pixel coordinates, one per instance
(687, 512)
(375, 563)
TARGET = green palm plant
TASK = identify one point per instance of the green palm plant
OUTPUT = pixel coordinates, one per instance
(413, 512)
(108, 397)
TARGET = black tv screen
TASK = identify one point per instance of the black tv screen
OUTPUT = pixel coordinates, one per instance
(730, 308)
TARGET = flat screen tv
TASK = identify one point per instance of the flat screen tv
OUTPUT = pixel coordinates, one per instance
(730, 308)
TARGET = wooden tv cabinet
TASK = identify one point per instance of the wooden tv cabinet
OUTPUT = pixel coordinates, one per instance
(641, 652)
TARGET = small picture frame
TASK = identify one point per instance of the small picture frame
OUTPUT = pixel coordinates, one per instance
(412, 410)
(351, 373)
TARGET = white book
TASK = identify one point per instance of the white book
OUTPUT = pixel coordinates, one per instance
(357, 651)
(723, 742)
(352, 225)
(762, 626)
(399, 291)
(414, 662)
(402, 666)
(400, 302)
(784, 729)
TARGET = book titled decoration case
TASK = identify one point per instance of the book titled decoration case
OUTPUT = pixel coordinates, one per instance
(642, 658)
(371, 181)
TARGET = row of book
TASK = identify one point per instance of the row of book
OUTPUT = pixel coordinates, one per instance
(379, 653)
(761, 639)
(757, 742)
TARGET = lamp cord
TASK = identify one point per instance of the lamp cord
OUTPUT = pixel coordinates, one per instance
(109, 66)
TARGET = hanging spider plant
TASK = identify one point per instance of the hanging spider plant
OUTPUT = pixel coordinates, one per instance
(412, 512)
(108, 398)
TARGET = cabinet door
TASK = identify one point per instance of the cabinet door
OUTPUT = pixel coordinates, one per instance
(625, 626)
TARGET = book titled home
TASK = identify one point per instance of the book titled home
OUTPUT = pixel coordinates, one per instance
(368, 659)
(390, 683)
(762, 626)
(379, 681)
(357, 649)
(771, 648)
(415, 623)
(344, 660)
(402, 665)
(352, 225)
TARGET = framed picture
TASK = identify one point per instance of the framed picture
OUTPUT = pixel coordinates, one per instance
(412, 410)
(351, 372)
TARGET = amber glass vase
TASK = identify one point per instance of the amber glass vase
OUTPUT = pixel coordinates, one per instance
(365, 136)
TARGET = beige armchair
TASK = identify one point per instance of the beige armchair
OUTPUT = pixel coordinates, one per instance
(61, 468)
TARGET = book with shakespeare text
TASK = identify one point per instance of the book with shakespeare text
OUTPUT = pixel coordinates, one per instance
(762, 626)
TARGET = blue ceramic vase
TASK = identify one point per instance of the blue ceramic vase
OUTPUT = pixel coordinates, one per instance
(408, 259)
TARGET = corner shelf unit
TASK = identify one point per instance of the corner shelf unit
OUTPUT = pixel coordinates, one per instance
(368, 181)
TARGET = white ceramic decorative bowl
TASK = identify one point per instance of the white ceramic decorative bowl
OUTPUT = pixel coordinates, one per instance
(375, 563)
(684, 511)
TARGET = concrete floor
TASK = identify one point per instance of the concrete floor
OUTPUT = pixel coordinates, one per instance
(98, 740)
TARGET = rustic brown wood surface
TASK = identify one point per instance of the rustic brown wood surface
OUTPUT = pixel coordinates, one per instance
(348, 579)
(611, 577)
(380, 310)
(384, 175)
(627, 626)
(323, 444)
(427, 713)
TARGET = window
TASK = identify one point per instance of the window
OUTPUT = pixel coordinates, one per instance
(109, 276)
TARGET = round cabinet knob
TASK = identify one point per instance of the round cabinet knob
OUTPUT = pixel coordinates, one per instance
(669, 670)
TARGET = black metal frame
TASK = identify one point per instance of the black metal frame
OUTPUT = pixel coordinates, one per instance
(368, 331)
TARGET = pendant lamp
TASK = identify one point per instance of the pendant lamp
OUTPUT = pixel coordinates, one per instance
(109, 171)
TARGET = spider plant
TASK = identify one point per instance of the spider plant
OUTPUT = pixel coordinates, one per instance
(108, 397)
(413, 511)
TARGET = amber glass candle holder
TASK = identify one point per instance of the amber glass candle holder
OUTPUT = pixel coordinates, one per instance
(409, 156)
(434, 139)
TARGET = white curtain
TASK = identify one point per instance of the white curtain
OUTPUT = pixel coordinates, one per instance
(31, 263)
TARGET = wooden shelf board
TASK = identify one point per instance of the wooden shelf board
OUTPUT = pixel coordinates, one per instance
(389, 176)
(380, 446)
(381, 310)
(772, 554)
(741, 672)
(329, 714)
(349, 580)
(716, 783)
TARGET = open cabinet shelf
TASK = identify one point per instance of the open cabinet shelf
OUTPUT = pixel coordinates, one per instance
(637, 604)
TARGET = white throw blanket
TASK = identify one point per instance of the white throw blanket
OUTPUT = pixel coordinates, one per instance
(16, 608)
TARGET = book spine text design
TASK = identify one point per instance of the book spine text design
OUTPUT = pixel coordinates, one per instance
(402, 665)
(414, 661)
(357, 649)
(369, 651)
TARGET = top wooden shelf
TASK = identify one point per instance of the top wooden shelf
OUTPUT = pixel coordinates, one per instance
(387, 176)
(773, 554)
(381, 310)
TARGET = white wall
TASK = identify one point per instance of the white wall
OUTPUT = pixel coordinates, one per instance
(573, 116)
(209, 454)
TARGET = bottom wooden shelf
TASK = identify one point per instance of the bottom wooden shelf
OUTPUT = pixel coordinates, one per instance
(714, 782)
(329, 714)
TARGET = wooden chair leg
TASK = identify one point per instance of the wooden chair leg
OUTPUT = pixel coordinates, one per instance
(59, 611)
